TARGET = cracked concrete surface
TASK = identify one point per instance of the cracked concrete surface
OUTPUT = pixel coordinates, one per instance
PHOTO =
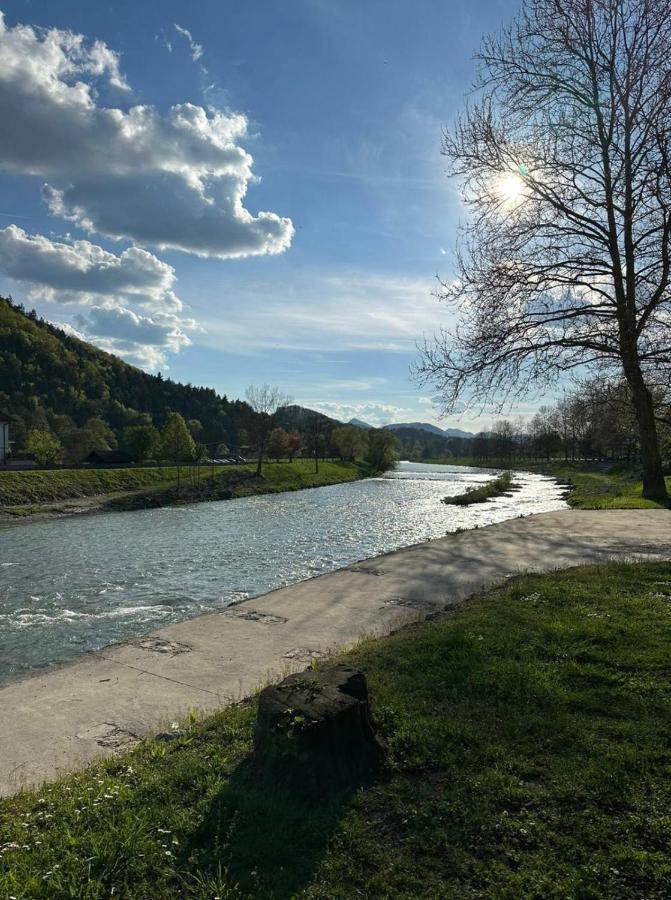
(63, 718)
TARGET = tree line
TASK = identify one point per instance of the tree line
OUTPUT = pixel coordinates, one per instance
(596, 421)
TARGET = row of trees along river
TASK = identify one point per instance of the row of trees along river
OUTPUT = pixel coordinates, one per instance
(595, 421)
(263, 438)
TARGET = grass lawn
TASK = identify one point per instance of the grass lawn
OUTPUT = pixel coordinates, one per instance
(594, 486)
(529, 757)
(34, 487)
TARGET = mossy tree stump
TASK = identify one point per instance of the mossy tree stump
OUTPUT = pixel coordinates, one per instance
(314, 732)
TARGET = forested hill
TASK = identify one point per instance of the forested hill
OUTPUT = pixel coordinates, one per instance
(50, 379)
(86, 398)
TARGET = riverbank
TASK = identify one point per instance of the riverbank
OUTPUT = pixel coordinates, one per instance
(592, 485)
(41, 495)
(65, 717)
(527, 757)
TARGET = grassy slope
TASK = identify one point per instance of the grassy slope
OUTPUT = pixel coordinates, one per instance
(64, 484)
(17, 488)
(529, 758)
(300, 474)
(593, 487)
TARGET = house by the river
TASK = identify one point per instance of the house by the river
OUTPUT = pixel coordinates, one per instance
(5, 421)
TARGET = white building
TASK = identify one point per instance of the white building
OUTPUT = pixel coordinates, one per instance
(4, 438)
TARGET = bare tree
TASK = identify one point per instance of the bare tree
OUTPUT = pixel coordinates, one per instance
(565, 164)
(315, 436)
(265, 402)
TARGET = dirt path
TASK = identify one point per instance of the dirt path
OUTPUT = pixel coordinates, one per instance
(63, 718)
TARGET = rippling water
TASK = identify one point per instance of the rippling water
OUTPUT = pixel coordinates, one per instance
(71, 585)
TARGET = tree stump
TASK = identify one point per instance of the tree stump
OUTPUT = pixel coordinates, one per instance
(314, 733)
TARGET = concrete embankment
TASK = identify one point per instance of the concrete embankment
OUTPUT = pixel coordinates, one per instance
(63, 718)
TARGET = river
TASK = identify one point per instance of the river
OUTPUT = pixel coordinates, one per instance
(77, 584)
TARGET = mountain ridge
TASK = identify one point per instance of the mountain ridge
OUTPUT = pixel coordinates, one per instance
(422, 426)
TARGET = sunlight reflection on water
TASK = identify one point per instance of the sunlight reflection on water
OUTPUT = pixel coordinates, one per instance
(78, 584)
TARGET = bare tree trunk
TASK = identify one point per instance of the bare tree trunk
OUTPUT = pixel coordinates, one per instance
(654, 485)
(259, 463)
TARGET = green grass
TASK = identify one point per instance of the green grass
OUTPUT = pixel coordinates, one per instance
(484, 492)
(593, 485)
(298, 475)
(26, 489)
(618, 487)
(529, 758)
(64, 484)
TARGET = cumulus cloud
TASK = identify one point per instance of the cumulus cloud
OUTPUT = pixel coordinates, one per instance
(123, 340)
(82, 272)
(176, 180)
(140, 339)
(120, 324)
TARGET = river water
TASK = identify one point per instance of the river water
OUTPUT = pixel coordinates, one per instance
(77, 584)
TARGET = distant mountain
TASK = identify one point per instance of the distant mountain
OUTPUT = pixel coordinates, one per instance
(457, 432)
(300, 418)
(419, 444)
(359, 423)
(433, 429)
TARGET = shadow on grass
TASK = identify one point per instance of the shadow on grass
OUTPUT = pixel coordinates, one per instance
(264, 836)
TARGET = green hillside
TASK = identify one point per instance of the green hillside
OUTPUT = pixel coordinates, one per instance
(50, 379)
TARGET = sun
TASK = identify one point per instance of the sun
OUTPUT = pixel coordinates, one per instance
(509, 189)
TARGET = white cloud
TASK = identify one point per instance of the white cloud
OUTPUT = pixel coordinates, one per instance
(139, 339)
(107, 285)
(120, 324)
(372, 412)
(352, 312)
(175, 181)
(196, 49)
(82, 272)
(69, 329)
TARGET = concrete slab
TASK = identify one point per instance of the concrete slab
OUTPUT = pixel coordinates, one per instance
(63, 718)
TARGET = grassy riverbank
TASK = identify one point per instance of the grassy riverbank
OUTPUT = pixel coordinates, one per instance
(31, 492)
(529, 758)
(593, 485)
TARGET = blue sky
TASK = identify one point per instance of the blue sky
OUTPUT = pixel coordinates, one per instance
(276, 212)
